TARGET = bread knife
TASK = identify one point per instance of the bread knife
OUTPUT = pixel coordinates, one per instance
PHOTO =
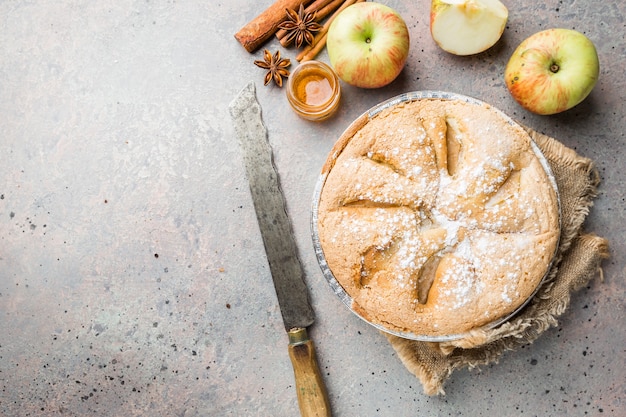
(281, 250)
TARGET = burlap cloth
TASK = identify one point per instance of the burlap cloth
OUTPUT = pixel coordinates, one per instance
(578, 260)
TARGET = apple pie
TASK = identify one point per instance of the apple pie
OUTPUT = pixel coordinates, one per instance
(436, 216)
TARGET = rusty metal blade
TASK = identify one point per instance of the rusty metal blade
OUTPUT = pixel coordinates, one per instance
(271, 212)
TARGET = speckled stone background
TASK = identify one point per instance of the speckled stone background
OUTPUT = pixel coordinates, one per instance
(133, 280)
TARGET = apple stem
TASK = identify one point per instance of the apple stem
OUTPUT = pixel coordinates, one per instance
(554, 67)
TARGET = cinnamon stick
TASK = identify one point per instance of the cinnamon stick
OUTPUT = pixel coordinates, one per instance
(310, 53)
(320, 7)
(262, 27)
(329, 8)
(319, 41)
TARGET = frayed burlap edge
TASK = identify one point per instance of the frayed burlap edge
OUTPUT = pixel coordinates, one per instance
(578, 260)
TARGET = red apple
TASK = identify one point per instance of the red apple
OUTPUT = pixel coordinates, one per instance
(368, 44)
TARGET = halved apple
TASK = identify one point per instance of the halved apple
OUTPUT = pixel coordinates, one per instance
(467, 27)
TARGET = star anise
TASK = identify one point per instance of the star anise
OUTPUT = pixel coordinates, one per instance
(300, 26)
(276, 66)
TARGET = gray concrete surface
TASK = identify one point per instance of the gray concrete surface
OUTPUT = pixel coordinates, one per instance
(133, 280)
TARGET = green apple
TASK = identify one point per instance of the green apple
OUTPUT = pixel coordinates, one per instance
(368, 44)
(467, 27)
(552, 71)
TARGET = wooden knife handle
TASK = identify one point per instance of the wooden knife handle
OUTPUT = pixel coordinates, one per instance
(312, 395)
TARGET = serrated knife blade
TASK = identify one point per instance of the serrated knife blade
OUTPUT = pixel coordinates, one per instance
(281, 250)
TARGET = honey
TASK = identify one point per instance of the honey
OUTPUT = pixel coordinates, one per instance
(313, 90)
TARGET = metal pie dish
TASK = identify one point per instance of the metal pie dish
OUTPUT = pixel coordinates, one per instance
(335, 285)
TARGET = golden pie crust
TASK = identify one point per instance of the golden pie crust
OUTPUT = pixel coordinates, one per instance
(437, 216)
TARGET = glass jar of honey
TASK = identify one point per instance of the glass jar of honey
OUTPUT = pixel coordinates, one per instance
(313, 90)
